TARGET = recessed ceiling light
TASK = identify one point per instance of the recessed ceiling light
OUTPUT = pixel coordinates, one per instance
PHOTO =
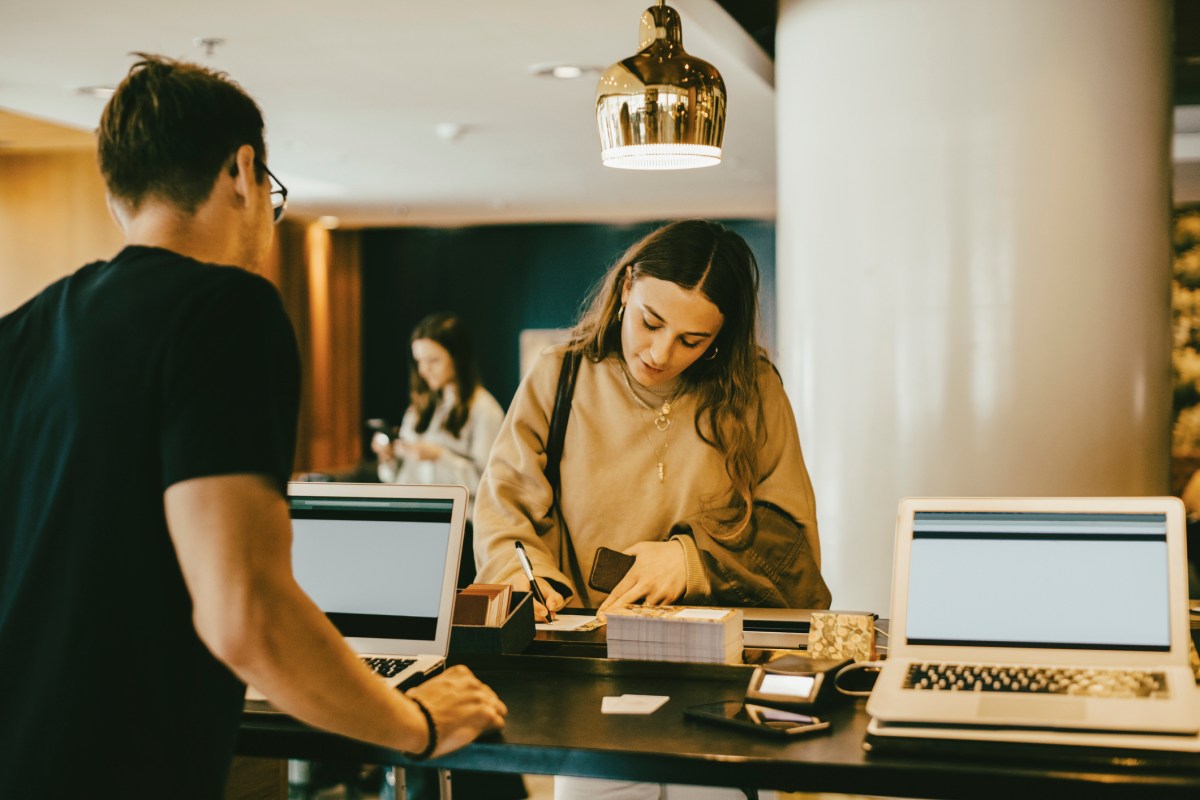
(101, 92)
(449, 131)
(566, 72)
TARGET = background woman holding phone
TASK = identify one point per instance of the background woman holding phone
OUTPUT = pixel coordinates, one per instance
(451, 421)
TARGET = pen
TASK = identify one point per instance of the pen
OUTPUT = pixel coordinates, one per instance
(523, 557)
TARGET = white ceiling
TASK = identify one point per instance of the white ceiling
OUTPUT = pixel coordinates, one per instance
(353, 94)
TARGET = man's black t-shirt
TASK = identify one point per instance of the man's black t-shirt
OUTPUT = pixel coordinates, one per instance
(115, 383)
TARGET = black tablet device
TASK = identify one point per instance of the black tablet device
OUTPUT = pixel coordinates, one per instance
(760, 719)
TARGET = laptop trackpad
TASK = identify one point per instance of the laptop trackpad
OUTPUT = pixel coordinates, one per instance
(1060, 709)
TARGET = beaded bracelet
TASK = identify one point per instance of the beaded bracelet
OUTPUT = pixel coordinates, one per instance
(433, 732)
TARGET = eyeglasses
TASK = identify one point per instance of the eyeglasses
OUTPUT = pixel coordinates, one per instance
(278, 196)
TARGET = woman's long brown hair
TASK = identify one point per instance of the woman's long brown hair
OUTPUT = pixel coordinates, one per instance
(705, 256)
(446, 329)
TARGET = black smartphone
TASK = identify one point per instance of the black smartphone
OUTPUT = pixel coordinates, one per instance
(608, 569)
(760, 719)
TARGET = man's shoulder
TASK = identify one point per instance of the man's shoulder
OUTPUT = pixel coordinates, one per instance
(221, 292)
(36, 314)
(220, 277)
(173, 267)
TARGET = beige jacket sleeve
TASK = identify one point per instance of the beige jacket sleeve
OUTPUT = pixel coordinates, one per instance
(776, 562)
(784, 479)
(514, 500)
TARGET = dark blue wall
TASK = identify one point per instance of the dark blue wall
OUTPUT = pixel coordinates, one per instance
(501, 280)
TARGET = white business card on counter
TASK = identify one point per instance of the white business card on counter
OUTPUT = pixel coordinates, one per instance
(633, 704)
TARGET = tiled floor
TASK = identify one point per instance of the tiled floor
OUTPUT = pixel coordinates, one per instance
(540, 787)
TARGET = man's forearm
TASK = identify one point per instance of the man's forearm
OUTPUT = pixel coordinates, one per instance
(300, 662)
(233, 539)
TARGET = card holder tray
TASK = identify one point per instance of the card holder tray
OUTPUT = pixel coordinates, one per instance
(513, 636)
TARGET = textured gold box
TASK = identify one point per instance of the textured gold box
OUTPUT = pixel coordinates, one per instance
(834, 635)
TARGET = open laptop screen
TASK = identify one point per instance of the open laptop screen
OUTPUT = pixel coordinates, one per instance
(1095, 581)
(374, 565)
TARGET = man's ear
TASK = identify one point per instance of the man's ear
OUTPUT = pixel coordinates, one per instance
(244, 174)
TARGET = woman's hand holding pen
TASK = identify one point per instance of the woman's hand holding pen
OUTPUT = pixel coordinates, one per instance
(543, 606)
(553, 599)
(657, 577)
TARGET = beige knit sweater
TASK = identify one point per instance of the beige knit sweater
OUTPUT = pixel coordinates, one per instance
(611, 494)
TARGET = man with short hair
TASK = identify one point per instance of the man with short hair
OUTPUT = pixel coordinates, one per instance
(148, 411)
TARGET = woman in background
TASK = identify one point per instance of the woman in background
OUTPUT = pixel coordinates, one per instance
(446, 436)
(451, 422)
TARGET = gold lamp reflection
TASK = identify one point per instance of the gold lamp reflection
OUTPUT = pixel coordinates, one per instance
(661, 108)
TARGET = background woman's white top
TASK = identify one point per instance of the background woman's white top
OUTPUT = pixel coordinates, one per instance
(463, 457)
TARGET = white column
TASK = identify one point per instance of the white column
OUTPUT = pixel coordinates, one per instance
(973, 256)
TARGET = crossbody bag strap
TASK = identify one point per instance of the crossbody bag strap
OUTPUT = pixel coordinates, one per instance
(559, 417)
(555, 439)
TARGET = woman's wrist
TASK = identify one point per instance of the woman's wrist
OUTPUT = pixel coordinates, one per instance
(696, 580)
(432, 740)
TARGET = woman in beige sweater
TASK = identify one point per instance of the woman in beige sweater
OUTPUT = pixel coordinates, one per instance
(681, 447)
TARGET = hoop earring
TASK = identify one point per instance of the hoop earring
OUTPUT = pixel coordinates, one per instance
(621, 313)
(711, 355)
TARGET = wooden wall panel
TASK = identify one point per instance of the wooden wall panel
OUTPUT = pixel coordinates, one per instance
(319, 276)
(345, 308)
(53, 220)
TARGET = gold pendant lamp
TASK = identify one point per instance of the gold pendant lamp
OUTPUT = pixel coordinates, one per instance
(661, 108)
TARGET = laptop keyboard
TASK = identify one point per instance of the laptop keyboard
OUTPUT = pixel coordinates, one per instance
(388, 667)
(1036, 680)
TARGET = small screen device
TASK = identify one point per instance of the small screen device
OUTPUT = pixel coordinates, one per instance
(795, 683)
(760, 719)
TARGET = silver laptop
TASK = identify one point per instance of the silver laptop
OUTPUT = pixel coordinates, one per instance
(381, 560)
(1039, 613)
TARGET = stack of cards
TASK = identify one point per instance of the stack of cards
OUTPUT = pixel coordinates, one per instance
(482, 604)
(675, 633)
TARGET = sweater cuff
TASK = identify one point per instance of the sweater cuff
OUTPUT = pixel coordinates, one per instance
(697, 580)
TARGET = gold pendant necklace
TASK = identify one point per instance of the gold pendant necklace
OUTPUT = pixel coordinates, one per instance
(660, 455)
(662, 421)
